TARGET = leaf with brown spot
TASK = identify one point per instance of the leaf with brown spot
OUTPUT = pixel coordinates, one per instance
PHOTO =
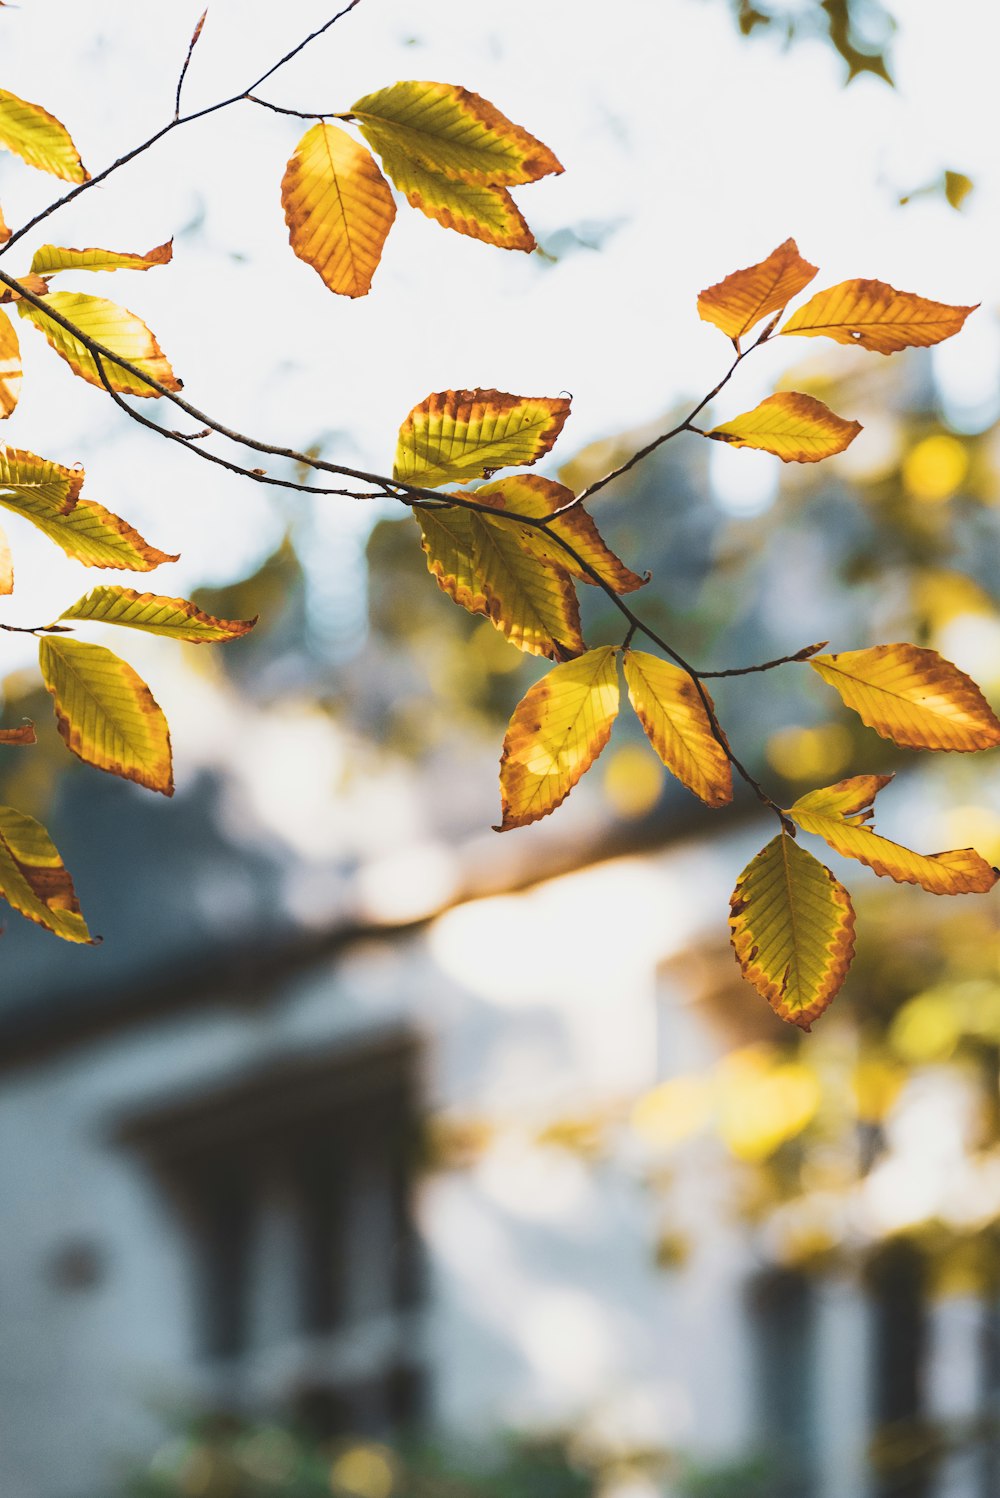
(530, 494)
(877, 317)
(106, 713)
(792, 927)
(458, 435)
(737, 303)
(445, 128)
(51, 258)
(796, 428)
(557, 731)
(114, 328)
(488, 214)
(338, 208)
(176, 618)
(532, 602)
(34, 880)
(91, 534)
(449, 545)
(39, 139)
(10, 366)
(839, 814)
(669, 707)
(912, 696)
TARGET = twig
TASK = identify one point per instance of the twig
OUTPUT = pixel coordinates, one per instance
(298, 114)
(781, 660)
(187, 63)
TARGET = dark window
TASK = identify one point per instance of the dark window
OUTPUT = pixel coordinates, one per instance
(782, 1318)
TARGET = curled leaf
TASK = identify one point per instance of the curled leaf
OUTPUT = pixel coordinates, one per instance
(50, 258)
(338, 208)
(912, 696)
(33, 878)
(795, 428)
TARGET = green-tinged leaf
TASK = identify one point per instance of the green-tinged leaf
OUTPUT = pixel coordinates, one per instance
(46, 487)
(34, 880)
(89, 533)
(792, 926)
(51, 258)
(485, 213)
(447, 129)
(106, 713)
(10, 366)
(174, 617)
(113, 328)
(669, 707)
(558, 729)
(794, 427)
(839, 814)
(912, 696)
(877, 317)
(529, 494)
(338, 208)
(740, 301)
(449, 545)
(39, 139)
(458, 435)
(531, 602)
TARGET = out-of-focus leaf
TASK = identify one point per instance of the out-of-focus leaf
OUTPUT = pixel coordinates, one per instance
(557, 731)
(338, 208)
(530, 494)
(792, 929)
(114, 328)
(6, 570)
(10, 366)
(739, 302)
(877, 317)
(957, 187)
(795, 428)
(677, 725)
(39, 139)
(175, 617)
(458, 435)
(24, 734)
(34, 880)
(106, 713)
(50, 258)
(912, 696)
(445, 128)
(4, 231)
(485, 213)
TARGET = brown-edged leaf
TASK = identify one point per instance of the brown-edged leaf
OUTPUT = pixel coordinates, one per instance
(34, 880)
(10, 366)
(740, 301)
(877, 317)
(795, 428)
(669, 707)
(530, 494)
(338, 208)
(488, 214)
(176, 618)
(912, 696)
(458, 435)
(115, 329)
(50, 258)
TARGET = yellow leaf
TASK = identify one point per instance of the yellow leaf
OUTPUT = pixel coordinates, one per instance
(449, 545)
(793, 930)
(34, 880)
(51, 258)
(445, 128)
(795, 427)
(111, 326)
(529, 494)
(912, 696)
(46, 487)
(838, 814)
(6, 573)
(531, 602)
(876, 316)
(90, 534)
(558, 729)
(458, 435)
(174, 617)
(10, 366)
(740, 301)
(39, 139)
(338, 208)
(671, 711)
(485, 213)
(106, 712)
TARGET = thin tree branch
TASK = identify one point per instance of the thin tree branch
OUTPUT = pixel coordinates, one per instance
(187, 63)
(298, 114)
(781, 660)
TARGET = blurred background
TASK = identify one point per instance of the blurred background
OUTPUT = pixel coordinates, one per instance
(375, 1155)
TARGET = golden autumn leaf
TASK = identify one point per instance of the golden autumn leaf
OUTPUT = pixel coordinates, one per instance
(839, 814)
(449, 546)
(669, 707)
(39, 139)
(28, 282)
(47, 487)
(877, 317)
(445, 128)
(739, 302)
(557, 731)
(90, 534)
(175, 617)
(531, 602)
(792, 927)
(51, 258)
(106, 713)
(912, 696)
(115, 329)
(10, 366)
(530, 494)
(34, 880)
(795, 428)
(338, 208)
(485, 213)
(458, 435)
(6, 573)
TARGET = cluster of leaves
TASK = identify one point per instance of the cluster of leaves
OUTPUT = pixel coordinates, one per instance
(510, 549)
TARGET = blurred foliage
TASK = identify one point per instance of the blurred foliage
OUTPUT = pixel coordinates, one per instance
(858, 30)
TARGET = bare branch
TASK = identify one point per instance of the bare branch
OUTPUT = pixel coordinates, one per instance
(187, 63)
